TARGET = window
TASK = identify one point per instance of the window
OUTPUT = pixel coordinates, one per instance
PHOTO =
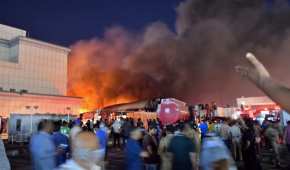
(18, 125)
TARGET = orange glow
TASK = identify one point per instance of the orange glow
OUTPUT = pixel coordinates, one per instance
(95, 73)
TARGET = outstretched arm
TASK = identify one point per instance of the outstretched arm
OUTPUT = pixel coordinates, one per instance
(260, 76)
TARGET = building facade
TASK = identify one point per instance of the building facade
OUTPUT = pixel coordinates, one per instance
(33, 76)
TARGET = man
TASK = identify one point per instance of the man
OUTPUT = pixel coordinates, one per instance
(4, 162)
(42, 147)
(116, 132)
(260, 76)
(150, 145)
(236, 136)
(86, 153)
(183, 150)
(60, 141)
(133, 151)
(163, 148)
(102, 136)
(126, 128)
(203, 128)
(225, 133)
(272, 134)
(64, 129)
(287, 135)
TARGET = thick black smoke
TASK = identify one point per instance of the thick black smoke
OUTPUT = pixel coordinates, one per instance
(196, 61)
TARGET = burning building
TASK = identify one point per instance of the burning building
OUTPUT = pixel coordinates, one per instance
(33, 76)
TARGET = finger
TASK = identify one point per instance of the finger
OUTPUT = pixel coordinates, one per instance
(253, 60)
(260, 68)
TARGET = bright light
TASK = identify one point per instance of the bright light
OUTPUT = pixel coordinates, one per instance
(83, 110)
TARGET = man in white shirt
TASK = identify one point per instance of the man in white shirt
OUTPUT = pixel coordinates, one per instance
(85, 153)
(236, 135)
(117, 132)
(225, 133)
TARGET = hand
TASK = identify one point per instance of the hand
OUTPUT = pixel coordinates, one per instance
(257, 73)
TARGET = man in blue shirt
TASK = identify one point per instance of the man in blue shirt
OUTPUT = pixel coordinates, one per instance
(203, 128)
(42, 147)
(133, 151)
(61, 142)
(102, 136)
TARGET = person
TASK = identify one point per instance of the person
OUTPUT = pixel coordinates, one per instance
(215, 154)
(203, 128)
(4, 162)
(102, 136)
(79, 121)
(260, 76)
(150, 145)
(183, 150)
(89, 125)
(60, 141)
(64, 129)
(225, 133)
(116, 132)
(248, 147)
(287, 135)
(272, 134)
(133, 151)
(211, 126)
(258, 137)
(163, 148)
(86, 153)
(217, 127)
(139, 123)
(126, 128)
(236, 136)
(42, 148)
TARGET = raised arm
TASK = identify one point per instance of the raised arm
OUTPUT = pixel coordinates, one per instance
(260, 76)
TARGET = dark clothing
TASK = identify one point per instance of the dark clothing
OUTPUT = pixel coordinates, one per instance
(181, 147)
(132, 152)
(249, 153)
(151, 141)
(60, 140)
(116, 137)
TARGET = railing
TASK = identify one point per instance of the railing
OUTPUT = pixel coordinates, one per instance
(19, 138)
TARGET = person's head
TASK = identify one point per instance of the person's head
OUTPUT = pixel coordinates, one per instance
(170, 129)
(46, 126)
(184, 128)
(57, 125)
(152, 130)
(136, 134)
(85, 149)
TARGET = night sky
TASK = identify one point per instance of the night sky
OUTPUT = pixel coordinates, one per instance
(66, 21)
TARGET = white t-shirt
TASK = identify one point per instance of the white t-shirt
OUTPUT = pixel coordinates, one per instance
(72, 165)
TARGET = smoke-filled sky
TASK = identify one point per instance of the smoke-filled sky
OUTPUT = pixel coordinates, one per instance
(191, 58)
(193, 62)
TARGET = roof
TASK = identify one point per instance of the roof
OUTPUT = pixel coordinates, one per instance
(137, 105)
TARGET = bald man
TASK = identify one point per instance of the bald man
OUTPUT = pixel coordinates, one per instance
(86, 153)
(260, 76)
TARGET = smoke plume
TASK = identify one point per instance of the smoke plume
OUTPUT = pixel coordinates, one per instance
(193, 63)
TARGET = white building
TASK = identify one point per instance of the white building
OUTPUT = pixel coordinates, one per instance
(33, 75)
